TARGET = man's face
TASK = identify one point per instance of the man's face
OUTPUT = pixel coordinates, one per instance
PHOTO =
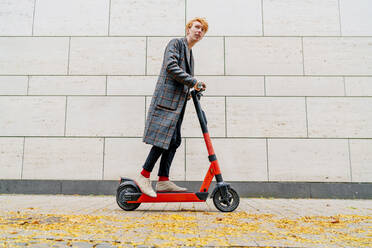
(196, 32)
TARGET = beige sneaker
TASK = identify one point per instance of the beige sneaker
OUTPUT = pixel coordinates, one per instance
(145, 186)
(168, 186)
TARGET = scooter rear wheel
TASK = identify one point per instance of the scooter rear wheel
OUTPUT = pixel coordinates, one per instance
(120, 199)
(229, 204)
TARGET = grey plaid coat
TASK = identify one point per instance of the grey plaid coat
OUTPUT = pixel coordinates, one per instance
(172, 88)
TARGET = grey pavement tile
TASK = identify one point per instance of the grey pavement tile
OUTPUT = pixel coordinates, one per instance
(186, 206)
(172, 206)
(241, 241)
(105, 245)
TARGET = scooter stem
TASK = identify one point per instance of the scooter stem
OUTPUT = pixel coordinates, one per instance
(214, 169)
(202, 120)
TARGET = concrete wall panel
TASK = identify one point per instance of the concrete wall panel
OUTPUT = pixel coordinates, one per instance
(105, 116)
(265, 117)
(71, 17)
(63, 158)
(301, 18)
(131, 85)
(263, 56)
(339, 117)
(233, 85)
(244, 17)
(358, 86)
(356, 17)
(32, 116)
(361, 160)
(309, 160)
(11, 156)
(13, 85)
(147, 17)
(209, 56)
(107, 56)
(337, 56)
(304, 86)
(234, 167)
(16, 17)
(33, 55)
(67, 85)
(214, 108)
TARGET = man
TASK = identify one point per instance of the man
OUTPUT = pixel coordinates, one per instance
(167, 108)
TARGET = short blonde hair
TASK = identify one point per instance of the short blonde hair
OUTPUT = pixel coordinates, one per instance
(198, 19)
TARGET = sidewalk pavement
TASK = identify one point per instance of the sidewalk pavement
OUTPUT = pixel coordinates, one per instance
(97, 221)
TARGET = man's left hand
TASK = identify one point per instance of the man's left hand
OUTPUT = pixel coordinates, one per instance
(204, 86)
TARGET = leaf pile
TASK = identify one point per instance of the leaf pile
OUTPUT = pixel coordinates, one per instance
(185, 228)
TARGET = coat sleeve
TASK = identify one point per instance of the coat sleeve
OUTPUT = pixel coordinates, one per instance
(173, 56)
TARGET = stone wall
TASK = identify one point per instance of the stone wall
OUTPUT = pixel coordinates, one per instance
(289, 93)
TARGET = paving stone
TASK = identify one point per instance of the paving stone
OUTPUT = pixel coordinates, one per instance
(99, 222)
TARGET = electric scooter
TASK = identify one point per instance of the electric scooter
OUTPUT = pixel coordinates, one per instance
(225, 198)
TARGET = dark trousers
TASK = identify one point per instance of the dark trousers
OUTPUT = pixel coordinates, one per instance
(167, 155)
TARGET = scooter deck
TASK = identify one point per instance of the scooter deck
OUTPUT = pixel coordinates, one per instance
(173, 197)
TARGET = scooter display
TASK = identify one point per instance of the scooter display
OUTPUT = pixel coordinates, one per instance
(225, 198)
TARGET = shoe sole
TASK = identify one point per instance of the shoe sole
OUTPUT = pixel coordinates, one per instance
(164, 191)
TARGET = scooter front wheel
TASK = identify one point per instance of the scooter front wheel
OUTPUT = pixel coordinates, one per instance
(227, 204)
(120, 197)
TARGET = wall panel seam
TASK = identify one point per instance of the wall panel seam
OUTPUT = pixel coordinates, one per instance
(23, 156)
(68, 56)
(145, 110)
(33, 18)
(64, 131)
(303, 56)
(106, 86)
(28, 84)
(350, 165)
(109, 19)
(262, 17)
(344, 80)
(339, 16)
(189, 137)
(267, 159)
(185, 161)
(147, 40)
(225, 117)
(177, 35)
(103, 159)
(224, 55)
(185, 15)
(192, 137)
(307, 121)
(232, 96)
(203, 75)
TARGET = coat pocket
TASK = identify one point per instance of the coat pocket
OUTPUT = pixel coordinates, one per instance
(169, 97)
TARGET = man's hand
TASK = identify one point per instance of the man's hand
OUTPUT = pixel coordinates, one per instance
(204, 86)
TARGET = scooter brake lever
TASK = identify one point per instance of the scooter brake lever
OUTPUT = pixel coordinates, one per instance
(199, 95)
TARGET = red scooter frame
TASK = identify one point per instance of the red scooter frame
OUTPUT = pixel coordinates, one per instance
(213, 171)
(225, 198)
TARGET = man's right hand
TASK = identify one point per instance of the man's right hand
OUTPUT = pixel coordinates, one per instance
(203, 86)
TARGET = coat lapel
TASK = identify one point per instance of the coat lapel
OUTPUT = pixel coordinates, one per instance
(192, 63)
(185, 54)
